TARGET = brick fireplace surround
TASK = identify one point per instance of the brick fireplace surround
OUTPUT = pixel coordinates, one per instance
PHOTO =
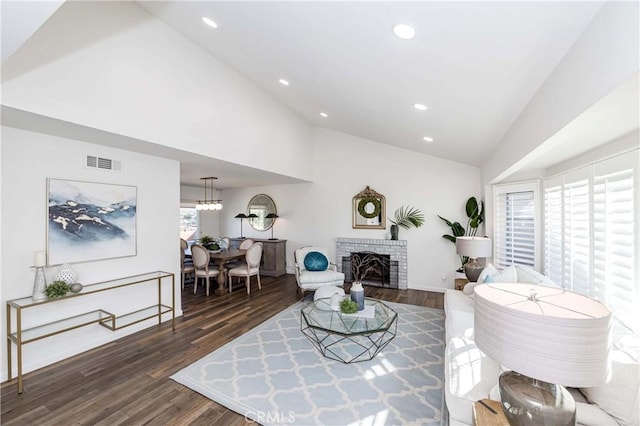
(396, 249)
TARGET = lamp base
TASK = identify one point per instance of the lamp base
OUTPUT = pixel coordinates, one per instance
(472, 270)
(531, 402)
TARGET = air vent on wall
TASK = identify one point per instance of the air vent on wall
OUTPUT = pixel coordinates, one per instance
(103, 163)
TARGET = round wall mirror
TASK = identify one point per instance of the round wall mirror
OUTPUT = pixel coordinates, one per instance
(261, 205)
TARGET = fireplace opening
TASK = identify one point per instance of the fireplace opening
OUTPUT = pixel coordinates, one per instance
(381, 270)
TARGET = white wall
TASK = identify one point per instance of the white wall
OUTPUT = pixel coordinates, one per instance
(113, 67)
(319, 212)
(28, 159)
(20, 19)
(605, 56)
(611, 148)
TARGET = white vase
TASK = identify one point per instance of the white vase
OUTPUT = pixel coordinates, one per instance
(67, 274)
(357, 294)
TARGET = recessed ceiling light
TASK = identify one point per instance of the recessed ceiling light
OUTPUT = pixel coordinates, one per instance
(324, 114)
(420, 107)
(404, 31)
(427, 139)
(209, 22)
(283, 82)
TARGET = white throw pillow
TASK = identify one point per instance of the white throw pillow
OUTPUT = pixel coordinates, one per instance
(468, 289)
(488, 270)
(530, 276)
(619, 396)
(508, 275)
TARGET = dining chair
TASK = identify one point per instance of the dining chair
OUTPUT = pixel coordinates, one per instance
(184, 246)
(251, 268)
(226, 242)
(185, 268)
(246, 243)
(201, 260)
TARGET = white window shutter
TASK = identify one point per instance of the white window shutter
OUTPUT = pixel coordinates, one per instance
(591, 235)
(553, 248)
(516, 224)
(614, 252)
(577, 234)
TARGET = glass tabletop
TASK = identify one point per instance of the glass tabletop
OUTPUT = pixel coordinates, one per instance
(319, 315)
(24, 302)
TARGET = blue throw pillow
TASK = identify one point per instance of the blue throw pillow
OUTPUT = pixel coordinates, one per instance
(316, 261)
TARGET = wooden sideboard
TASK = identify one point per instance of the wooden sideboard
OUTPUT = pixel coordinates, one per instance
(274, 255)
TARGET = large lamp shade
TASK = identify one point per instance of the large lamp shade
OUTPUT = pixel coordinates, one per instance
(473, 247)
(546, 333)
(550, 338)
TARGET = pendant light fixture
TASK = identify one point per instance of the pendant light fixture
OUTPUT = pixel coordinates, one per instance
(209, 203)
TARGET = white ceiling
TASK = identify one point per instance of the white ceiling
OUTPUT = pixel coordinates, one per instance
(475, 65)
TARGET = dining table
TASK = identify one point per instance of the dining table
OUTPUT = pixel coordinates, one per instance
(222, 258)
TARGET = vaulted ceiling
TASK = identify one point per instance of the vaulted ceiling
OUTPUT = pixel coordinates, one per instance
(475, 66)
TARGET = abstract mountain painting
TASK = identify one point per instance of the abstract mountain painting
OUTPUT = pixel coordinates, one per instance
(90, 221)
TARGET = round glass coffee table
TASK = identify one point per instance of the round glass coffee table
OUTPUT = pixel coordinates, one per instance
(349, 337)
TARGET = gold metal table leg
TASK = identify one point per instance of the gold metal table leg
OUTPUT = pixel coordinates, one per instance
(19, 346)
(9, 350)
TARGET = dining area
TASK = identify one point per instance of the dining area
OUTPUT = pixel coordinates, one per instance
(217, 262)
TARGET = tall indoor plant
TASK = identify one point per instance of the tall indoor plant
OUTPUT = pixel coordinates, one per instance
(475, 217)
(407, 218)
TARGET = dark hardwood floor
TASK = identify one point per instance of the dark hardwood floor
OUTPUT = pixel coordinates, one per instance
(127, 381)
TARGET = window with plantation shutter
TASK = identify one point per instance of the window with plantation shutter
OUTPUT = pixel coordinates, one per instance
(516, 223)
(577, 235)
(614, 252)
(553, 265)
(591, 234)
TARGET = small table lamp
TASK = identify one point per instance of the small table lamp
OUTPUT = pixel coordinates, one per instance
(272, 216)
(473, 248)
(241, 216)
(550, 338)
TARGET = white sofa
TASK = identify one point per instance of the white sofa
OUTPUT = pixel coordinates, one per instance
(470, 375)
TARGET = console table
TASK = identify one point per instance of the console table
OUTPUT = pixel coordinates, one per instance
(273, 263)
(26, 305)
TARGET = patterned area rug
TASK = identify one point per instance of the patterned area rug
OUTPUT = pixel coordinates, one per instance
(273, 375)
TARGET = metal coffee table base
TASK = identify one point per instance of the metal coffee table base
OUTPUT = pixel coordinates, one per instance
(348, 348)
